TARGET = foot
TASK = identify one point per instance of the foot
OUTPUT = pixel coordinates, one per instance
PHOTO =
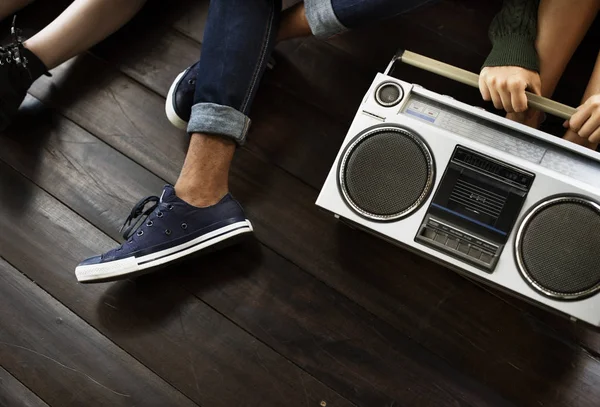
(180, 99)
(19, 68)
(162, 230)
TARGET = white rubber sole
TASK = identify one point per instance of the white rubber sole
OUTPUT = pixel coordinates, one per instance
(170, 110)
(132, 266)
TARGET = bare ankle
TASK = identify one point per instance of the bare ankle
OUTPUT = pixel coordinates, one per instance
(204, 177)
(294, 24)
(199, 197)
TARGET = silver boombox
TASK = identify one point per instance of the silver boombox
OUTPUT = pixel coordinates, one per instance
(495, 200)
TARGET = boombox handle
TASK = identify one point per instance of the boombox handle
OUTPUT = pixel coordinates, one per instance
(472, 79)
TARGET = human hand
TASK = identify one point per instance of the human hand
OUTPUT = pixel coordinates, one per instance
(505, 86)
(586, 121)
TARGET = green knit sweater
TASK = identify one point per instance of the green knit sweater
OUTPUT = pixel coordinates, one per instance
(513, 33)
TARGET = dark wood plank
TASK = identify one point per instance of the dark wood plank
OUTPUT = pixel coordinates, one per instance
(63, 359)
(180, 338)
(193, 22)
(330, 336)
(386, 360)
(384, 281)
(433, 305)
(14, 394)
(48, 149)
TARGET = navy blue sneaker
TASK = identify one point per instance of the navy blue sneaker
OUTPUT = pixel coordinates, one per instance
(161, 230)
(180, 99)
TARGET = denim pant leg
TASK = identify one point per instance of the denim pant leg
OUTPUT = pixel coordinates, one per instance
(330, 17)
(238, 40)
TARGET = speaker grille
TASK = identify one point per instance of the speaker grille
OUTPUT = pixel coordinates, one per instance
(386, 173)
(558, 248)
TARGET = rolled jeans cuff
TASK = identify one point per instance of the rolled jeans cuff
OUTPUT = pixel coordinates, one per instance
(322, 19)
(210, 118)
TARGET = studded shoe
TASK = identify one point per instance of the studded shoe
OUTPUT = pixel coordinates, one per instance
(19, 68)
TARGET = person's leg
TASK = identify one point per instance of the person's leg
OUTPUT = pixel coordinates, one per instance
(82, 25)
(330, 17)
(222, 109)
(561, 28)
(294, 23)
(199, 213)
(9, 7)
(593, 88)
(320, 17)
(239, 37)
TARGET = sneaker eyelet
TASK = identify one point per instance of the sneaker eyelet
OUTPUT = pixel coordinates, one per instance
(149, 223)
(184, 226)
(130, 241)
(140, 233)
(159, 214)
(192, 81)
(170, 207)
(168, 232)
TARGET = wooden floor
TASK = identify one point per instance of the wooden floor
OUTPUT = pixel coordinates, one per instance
(310, 313)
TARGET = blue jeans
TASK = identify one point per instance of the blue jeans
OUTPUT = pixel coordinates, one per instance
(238, 40)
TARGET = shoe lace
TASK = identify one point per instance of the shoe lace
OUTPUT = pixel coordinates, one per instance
(138, 215)
(13, 53)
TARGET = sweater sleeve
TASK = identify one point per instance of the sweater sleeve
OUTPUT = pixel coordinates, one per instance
(513, 32)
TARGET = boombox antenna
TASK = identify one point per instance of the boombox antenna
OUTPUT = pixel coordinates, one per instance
(469, 78)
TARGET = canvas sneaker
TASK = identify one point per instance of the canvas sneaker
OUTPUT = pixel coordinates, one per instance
(161, 230)
(180, 98)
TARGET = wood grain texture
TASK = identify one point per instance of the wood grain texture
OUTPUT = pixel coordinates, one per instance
(471, 334)
(63, 359)
(526, 356)
(341, 358)
(426, 302)
(14, 394)
(157, 322)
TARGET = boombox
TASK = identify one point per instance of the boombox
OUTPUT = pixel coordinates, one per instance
(497, 201)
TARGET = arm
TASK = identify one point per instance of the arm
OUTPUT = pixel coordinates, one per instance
(584, 126)
(513, 33)
(512, 66)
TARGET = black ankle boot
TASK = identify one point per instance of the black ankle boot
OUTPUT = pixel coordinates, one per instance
(19, 68)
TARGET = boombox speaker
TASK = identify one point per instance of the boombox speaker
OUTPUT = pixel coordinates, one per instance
(386, 173)
(558, 247)
(497, 201)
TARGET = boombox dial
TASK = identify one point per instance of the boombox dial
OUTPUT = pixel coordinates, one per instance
(386, 173)
(558, 247)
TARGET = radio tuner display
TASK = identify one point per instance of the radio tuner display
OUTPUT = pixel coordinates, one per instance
(475, 207)
(492, 167)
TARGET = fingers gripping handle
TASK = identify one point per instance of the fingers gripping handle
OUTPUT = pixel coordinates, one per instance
(469, 78)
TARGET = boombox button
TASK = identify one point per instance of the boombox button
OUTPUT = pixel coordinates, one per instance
(429, 233)
(441, 238)
(486, 258)
(463, 248)
(452, 243)
(475, 253)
